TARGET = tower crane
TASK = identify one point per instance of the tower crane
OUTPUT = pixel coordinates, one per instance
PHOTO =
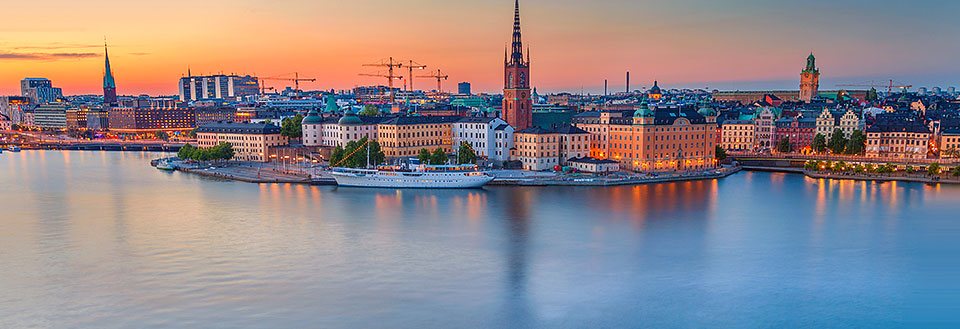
(296, 80)
(390, 65)
(439, 76)
(410, 66)
(890, 85)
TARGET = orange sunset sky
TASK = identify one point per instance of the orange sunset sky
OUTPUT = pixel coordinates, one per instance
(575, 44)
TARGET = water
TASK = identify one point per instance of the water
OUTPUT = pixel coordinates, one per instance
(102, 240)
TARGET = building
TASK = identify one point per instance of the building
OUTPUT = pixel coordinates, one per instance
(848, 122)
(655, 94)
(592, 165)
(51, 116)
(250, 141)
(463, 88)
(799, 131)
(77, 118)
(750, 97)
(665, 139)
(207, 115)
(5, 123)
(491, 138)
(517, 100)
(538, 148)
(950, 143)
(40, 90)
(809, 80)
(15, 107)
(765, 128)
(98, 119)
(404, 137)
(214, 87)
(109, 84)
(156, 117)
(899, 135)
(738, 135)
(332, 131)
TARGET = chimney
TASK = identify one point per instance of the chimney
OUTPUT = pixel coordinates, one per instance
(628, 82)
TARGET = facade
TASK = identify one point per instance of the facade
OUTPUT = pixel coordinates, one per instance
(404, 137)
(750, 97)
(765, 128)
(738, 135)
(151, 119)
(207, 115)
(109, 84)
(463, 88)
(98, 119)
(950, 143)
(77, 118)
(39, 90)
(491, 138)
(5, 123)
(212, 87)
(51, 116)
(900, 135)
(598, 125)
(250, 141)
(799, 131)
(517, 100)
(335, 131)
(848, 122)
(15, 107)
(809, 80)
(596, 166)
(543, 149)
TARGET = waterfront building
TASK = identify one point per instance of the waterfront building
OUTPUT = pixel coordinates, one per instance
(848, 121)
(14, 107)
(109, 84)
(544, 149)
(950, 143)
(592, 165)
(765, 127)
(405, 136)
(809, 80)
(98, 119)
(738, 135)
(799, 131)
(156, 116)
(226, 87)
(77, 117)
(40, 90)
(900, 134)
(676, 138)
(332, 131)
(517, 100)
(490, 137)
(463, 88)
(250, 141)
(51, 116)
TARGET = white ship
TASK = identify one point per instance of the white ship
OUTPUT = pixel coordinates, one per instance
(422, 176)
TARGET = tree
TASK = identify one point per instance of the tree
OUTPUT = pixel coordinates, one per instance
(837, 142)
(819, 143)
(872, 95)
(951, 152)
(186, 152)
(424, 156)
(720, 153)
(292, 127)
(955, 171)
(163, 135)
(223, 151)
(193, 133)
(466, 154)
(783, 146)
(336, 156)
(857, 143)
(438, 157)
(354, 154)
(933, 169)
(369, 111)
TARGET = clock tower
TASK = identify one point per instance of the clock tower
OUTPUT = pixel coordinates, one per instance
(517, 101)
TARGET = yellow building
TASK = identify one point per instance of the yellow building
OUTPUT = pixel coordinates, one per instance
(250, 141)
(899, 135)
(543, 149)
(663, 139)
(738, 135)
(403, 137)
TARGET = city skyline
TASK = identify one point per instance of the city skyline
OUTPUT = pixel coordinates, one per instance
(690, 43)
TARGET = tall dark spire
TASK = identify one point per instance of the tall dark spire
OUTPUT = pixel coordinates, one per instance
(516, 56)
(109, 84)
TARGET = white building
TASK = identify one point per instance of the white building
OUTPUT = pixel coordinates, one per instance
(828, 121)
(227, 87)
(332, 131)
(491, 138)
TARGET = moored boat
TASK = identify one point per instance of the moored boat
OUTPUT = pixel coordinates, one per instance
(420, 177)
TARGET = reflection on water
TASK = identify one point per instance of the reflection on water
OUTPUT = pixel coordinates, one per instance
(100, 239)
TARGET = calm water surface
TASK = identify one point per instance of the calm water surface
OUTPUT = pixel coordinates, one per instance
(102, 240)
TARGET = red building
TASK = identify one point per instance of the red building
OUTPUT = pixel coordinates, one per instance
(517, 101)
(800, 131)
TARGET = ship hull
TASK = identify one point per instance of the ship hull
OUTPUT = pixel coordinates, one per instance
(411, 180)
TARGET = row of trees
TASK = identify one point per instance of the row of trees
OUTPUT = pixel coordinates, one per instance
(292, 127)
(223, 151)
(465, 155)
(839, 143)
(354, 154)
(933, 169)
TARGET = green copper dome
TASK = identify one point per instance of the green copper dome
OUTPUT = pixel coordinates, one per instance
(350, 119)
(643, 112)
(706, 110)
(331, 104)
(312, 118)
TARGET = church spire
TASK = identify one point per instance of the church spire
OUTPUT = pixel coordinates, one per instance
(109, 84)
(517, 56)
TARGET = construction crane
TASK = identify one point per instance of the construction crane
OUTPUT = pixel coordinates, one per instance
(410, 66)
(890, 85)
(296, 81)
(439, 76)
(390, 65)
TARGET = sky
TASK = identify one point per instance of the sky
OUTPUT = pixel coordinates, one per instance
(575, 44)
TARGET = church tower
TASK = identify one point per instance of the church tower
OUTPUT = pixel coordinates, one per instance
(517, 101)
(809, 80)
(109, 85)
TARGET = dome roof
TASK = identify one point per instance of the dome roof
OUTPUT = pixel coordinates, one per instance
(643, 112)
(350, 119)
(706, 110)
(312, 118)
(656, 89)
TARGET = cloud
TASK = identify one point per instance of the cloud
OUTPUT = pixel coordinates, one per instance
(139, 54)
(45, 56)
(57, 46)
